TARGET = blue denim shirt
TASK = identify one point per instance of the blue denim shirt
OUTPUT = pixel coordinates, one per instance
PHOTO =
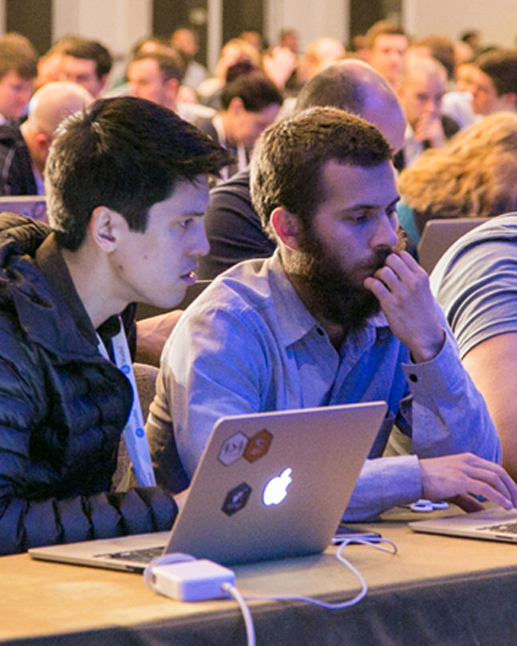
(249, 344)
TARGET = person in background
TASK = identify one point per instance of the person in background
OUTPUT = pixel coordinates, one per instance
(186, 42)
(475, 175)
(250, 104)
(24, 150)
(494, 82)
(387, 49)
(88, 63)
(18, 70)
(422, 86)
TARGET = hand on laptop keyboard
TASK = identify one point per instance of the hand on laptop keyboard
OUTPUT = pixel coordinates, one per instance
(463, 474)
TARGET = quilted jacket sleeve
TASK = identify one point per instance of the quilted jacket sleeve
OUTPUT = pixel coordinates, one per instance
(47, 495)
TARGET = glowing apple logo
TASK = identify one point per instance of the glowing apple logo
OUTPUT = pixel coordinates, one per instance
(276, 489)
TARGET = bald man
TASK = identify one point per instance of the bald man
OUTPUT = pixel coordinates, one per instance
(233, 227)
(23, 151)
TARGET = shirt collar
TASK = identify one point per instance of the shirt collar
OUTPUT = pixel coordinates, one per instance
(294, 319)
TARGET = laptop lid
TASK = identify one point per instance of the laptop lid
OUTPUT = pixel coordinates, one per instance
(494, 524)
(439, 235)
(269, 485)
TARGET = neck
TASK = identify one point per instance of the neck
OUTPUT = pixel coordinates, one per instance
(91, 278)
(228, 132)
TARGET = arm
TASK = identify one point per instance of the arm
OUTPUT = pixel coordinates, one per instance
(151, 335)
(212, 366)
(39, 481)
(404, 479)
(448, 413)
(492, 364)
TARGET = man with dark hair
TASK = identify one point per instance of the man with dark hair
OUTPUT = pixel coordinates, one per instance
(232, 225)
(88, 63)
(18, 69)
(494, 82)
(250, 103)
(337, 315)
(127, 184)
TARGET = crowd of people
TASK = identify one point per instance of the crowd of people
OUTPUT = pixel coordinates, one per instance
(277, 180)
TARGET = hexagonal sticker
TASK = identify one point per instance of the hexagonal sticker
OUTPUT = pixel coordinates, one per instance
(258, 446)
(236, 499)
(233, 448)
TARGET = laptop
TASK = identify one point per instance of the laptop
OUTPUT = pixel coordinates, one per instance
(439, 235)
(494, 524)
(268, 486)
(32, 206)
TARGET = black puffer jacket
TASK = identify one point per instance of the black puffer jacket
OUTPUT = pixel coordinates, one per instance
(62, 411)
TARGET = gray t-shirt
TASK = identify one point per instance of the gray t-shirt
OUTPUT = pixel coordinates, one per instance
(475, 282)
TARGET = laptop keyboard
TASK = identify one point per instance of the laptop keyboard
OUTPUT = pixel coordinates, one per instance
(507, 528)
(138, 556)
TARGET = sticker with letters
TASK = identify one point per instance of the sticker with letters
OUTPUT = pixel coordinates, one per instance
(236, 499)
(233, 449)
(258, 446)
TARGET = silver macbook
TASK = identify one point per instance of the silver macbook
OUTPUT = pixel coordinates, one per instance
(32, 206)
(268, 486)
(494, 524)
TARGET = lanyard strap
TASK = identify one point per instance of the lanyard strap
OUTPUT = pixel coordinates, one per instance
(134, 431)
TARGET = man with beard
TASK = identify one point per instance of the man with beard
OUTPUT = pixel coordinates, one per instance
(337, 315)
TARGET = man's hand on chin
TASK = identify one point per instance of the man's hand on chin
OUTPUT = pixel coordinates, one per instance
(402, 288)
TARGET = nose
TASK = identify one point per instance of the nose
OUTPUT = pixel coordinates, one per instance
(198, 243)
(386, 232)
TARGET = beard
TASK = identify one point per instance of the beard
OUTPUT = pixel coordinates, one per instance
(329, 292)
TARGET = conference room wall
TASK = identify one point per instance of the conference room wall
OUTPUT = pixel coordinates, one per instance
(119, 23)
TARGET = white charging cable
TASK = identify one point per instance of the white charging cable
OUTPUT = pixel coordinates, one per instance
(182, 577)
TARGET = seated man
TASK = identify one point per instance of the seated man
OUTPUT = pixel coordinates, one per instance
(86, 62)
(476, 284)
(24, 150)
(251, 103)
(336, 316)
(126, 185)
(233, 227)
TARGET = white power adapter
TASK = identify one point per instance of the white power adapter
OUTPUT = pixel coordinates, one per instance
(195, 580)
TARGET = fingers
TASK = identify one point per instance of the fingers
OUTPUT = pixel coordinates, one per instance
(465, 474)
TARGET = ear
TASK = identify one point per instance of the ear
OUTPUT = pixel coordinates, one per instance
(42, 142)
(286, 226)
(509, 100)
(106, 227)
(236, 105)
(172, 87)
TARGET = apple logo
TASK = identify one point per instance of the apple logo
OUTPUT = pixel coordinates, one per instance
(276, 489)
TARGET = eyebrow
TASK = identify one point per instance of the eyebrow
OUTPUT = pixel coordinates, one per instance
(363, 207)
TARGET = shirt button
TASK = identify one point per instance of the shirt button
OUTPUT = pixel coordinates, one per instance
(413, 378)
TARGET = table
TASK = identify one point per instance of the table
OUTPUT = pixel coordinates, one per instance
(436, 590)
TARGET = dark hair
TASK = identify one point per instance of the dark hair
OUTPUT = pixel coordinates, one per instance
(126, 154)
(170, 63)
(501, 66)
(18, 54)
(289, 156)
(335, 86)
(255, 90)
(90, 50)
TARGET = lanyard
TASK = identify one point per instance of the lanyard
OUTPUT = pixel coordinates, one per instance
(134, 432)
